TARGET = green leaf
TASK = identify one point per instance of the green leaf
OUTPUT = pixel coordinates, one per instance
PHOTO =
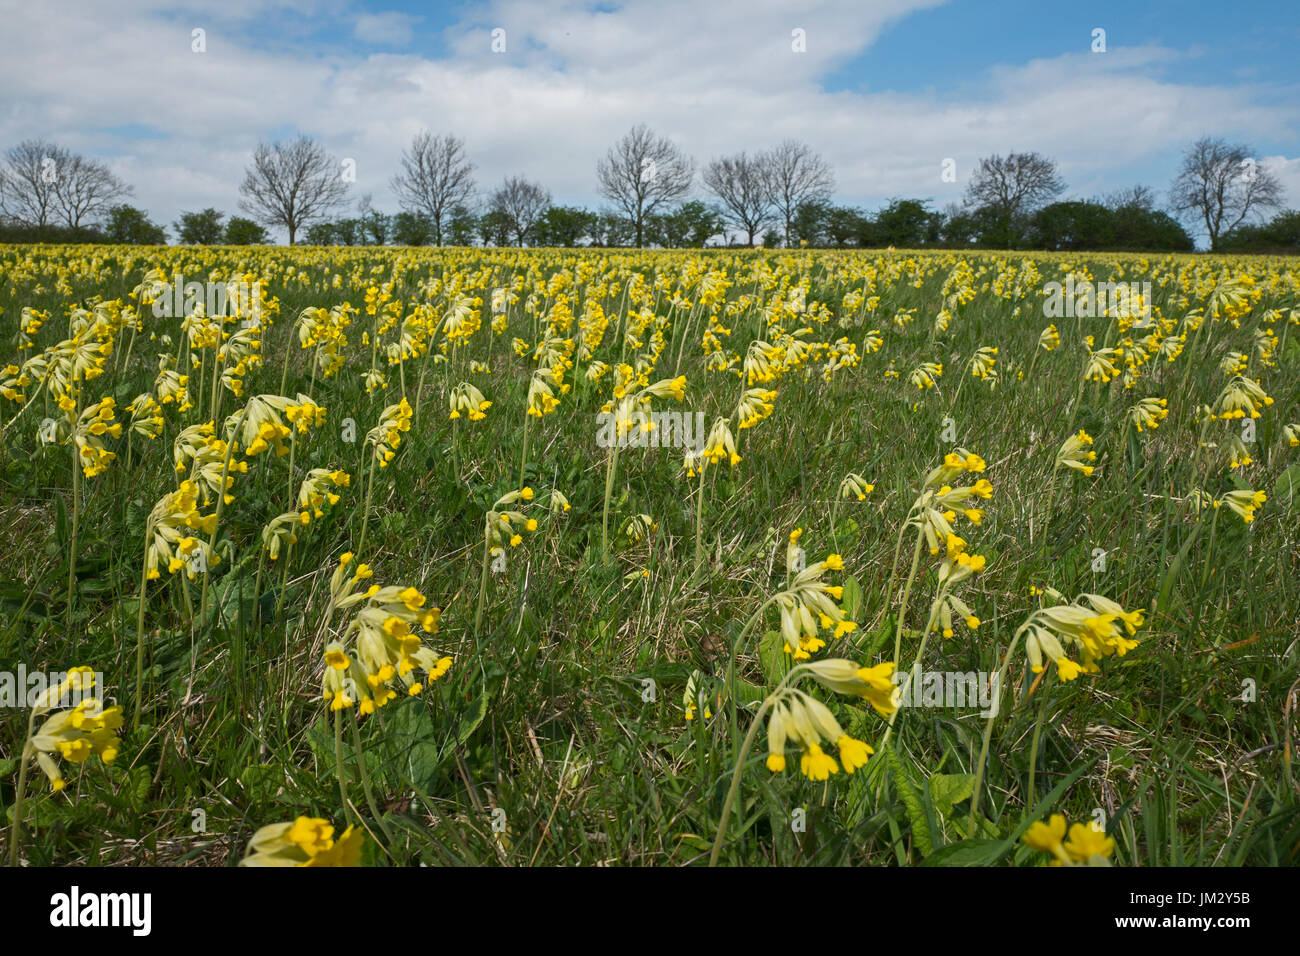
(747, 693)
(852, 601)
(1175, 568)
(967, 853)
(416, 747)
(948, 790)
(1287, 487)
(921, 835)
(771, 654)
(469, 723)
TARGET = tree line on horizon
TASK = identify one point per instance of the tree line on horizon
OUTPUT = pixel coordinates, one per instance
(779, 197)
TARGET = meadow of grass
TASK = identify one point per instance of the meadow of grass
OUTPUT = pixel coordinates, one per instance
(591, 715)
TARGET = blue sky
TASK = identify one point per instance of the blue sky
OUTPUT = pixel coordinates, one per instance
(886, 90)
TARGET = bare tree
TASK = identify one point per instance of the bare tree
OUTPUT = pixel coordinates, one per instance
(1015, 184)
(27, 181)
(292, 184)
(643, 172)
(740, 183)
(1133, 197)
(796, 175)
(520, 205)
(435, 177)
(85, 188)
(1220, 184)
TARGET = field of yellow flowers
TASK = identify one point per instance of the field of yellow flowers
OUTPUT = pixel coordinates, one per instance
(393, 556)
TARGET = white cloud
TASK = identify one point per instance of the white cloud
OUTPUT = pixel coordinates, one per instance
(716, 77)
(385, 29)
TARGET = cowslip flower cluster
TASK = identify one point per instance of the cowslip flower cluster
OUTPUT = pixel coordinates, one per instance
(1241, 397)
(1148, 413)
(755, 405)
(1086, 845)
(168, 538)
(983, 361)
(378, 647)
(260, 426)
(315, 491)
(469, 401)
(1075, 453)
(1243, 503)
(1100, 366)
(936, 509)
(798, 719)
(146, 416)
(503, 525)
(1095, 626)
(855, 486)
(719, 446)
(386, 437)
(74, 733)
(88, 433)
(808, 606)
(926, 375)
(308, 841)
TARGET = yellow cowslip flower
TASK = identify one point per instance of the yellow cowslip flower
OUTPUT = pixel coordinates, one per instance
(1088, 841)
(386, 437)
(11, 380)
(308, 841)
(74, 733)
(1291, 435)
(809, 606)
(541, 396)
(764, 362)
(926, 374)
(1100, 366)
(669, 387)
(956, 463)
(1148, 413)
(260, 425)
(1234, 363)
(172, 387)
(982, 362)
(1074, 453)
(87, 434)
(500, 522)
(755, 405)
(146, 416)
(1243, 503)
(855, 486)
(1241, 397)
(1095, 625)
(1087, 844)
(1049, 339)
(800, 719)
(304, 414)
(873, 684)
(383, 646)
(947, 606)
(467, 399)
(721, 444)
(1046, 837)
(315, 491)
(168, 537)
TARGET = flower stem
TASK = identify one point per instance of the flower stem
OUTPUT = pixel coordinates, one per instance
(735, 781)
(139, 628)
(907, 593)
(16, 830)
